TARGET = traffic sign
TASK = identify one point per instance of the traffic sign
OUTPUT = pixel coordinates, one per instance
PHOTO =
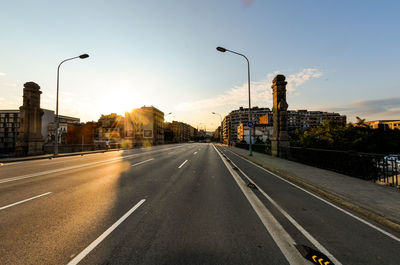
(250, 124)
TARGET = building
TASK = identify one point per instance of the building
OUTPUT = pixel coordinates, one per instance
(304, 119)
(49, 125)
(111, 128)
(217, 134)
(10, 124)
(384, 124)
(144, 126)
(182, 132)
(267, 119)
(9, 127)
(297, 119)
(237, 117)
(82, 134)
(260, 133)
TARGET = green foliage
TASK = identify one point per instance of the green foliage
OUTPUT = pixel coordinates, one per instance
(360, 138)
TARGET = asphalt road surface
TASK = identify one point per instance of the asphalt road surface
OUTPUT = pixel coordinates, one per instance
(175, 204)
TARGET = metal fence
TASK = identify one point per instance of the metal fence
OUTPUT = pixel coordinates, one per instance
(376, 167)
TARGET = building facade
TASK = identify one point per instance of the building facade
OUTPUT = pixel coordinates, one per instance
(297, 119)
(111, 128)
(144, 126)
(384, 124)
(304, 119)
(9, 127)
(182, 132)
(49, 126)
(10, 124)
(260, 133)
(237, 117)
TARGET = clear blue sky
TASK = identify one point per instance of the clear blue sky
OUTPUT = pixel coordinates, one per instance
(337, 55)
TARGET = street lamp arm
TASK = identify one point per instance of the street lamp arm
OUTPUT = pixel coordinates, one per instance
(66, 60)
(240, 55)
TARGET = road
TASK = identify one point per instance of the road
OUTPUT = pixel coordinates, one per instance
(174, 204)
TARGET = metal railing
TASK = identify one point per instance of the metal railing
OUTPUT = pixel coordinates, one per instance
(376, 167)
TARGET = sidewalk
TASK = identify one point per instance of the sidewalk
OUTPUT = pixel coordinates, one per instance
(47, 156)
(380, 203)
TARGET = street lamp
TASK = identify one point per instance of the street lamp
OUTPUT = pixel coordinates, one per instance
(221, 124)
(222, 49)
(82, 56)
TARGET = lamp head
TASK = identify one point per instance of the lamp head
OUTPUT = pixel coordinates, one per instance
(221, 49)
(84, 56)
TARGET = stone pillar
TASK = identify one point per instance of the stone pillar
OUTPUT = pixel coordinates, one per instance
(30, 139)
(280, 136)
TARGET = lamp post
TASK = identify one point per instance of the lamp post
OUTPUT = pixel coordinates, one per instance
(221, 49)
(82, 56)
(220, 117)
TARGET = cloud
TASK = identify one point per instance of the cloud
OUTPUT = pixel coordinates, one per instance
(2, 74)
(378, 109)
(299, 78)
(260, 92)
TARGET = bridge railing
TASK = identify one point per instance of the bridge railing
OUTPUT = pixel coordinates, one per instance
(368, 166)
(376, 167)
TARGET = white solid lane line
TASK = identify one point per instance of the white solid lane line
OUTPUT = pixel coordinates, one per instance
(29, 199)
(317, 244)
(323, 200)
(98, 240)
(142, 162)
(183, 163)
(281, 237)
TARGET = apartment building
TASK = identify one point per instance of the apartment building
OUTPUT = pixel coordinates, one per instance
(144, 126)
(237, 117)
(304, 119)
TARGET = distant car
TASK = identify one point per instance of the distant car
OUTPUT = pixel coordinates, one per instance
(390, 163)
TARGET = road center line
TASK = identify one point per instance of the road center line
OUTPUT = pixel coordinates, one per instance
(323, 200)
(142, 162)
(183, 163)
(281, 237)
(98, 240)
(29, 199)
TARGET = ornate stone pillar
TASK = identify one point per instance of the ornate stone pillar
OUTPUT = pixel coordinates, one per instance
(30, 139)
(280, 136)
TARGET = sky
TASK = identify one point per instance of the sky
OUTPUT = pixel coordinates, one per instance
(340, 56)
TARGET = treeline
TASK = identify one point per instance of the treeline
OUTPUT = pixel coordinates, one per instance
(359, 137)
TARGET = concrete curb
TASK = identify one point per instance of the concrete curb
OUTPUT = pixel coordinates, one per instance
(332, 197)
